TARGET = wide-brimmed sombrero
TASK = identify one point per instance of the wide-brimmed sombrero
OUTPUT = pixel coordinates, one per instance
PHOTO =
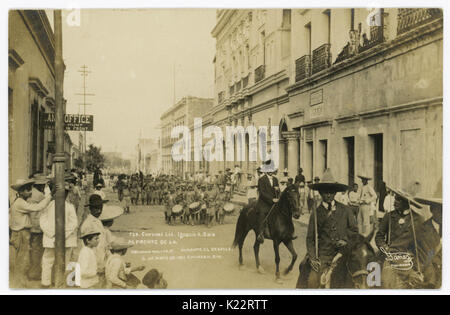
(421, 209)
(110, 212)
(328, 183)
(21, 183)
(119, 244)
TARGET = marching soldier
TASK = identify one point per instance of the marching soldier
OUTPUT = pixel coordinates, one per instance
(190, 198)
(169, 203)
(330, 227)
(220, 213)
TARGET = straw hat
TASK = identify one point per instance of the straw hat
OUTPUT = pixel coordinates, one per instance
(119, 244)
(328, 183)
(422, 210)
(403, 194)
(21, 183)
(110, 212)
(89, 229)
(40, 179)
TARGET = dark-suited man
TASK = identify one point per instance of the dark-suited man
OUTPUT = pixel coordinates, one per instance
(268, 188)
(336, 225)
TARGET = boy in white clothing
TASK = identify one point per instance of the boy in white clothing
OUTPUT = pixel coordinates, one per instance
(118, 274)
(88, 260)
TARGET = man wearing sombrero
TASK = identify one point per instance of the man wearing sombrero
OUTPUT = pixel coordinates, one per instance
(330, 227)
(366, 214)
(268, 188)
(406, 230)
(20, 225)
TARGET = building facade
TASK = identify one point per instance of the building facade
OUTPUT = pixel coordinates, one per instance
(31, 82)
(182, 113)
(253, 50)
(353, 90)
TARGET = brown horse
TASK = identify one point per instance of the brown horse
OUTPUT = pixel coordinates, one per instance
(350, 270)
(279, 223)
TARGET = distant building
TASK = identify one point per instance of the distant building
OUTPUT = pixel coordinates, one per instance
(180, 114)
(144, 149)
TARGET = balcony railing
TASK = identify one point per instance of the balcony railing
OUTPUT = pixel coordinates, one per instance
(221, 97)
(302, 68)
(237, 86)
(260, 73)
(245, 82)
(376, 37)
(321, 58)
(411, 18)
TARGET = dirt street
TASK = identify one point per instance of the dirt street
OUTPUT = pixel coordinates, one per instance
(198, 257)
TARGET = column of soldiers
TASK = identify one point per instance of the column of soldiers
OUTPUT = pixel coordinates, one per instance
(195, 203)
(198, 200)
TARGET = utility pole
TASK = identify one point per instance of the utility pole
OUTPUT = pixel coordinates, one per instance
(84, 73)
(59, 158)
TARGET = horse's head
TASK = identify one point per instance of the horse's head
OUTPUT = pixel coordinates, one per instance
(360, 254)
(290, 197)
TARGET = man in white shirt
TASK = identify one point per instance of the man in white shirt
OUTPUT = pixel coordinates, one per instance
(47, 223)
(20, 225)
(353, 199)
(37, 250)
(366, 216)
(388, 203)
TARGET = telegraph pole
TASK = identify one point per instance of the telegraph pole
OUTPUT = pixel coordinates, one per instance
(84, 73)
(59, 158)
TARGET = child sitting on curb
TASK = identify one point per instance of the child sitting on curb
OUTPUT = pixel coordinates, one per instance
(118, 274)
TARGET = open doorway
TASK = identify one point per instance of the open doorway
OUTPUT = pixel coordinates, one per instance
(350, 149)
(377, 142)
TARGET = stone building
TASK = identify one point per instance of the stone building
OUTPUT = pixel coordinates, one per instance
(182, 113)
(369, 89)
(253, 50)
(31, 82)
(355, 90)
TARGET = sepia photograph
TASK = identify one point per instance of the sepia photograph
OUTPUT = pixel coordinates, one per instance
(225, 148)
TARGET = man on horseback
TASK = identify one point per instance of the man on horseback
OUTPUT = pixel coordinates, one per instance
(267, 196)
(268, 188)
(331, 225)
(406, 237)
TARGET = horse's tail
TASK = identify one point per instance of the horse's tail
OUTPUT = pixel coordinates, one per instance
(241, 226)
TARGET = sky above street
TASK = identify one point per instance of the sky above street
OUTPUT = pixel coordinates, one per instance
(132, 55)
